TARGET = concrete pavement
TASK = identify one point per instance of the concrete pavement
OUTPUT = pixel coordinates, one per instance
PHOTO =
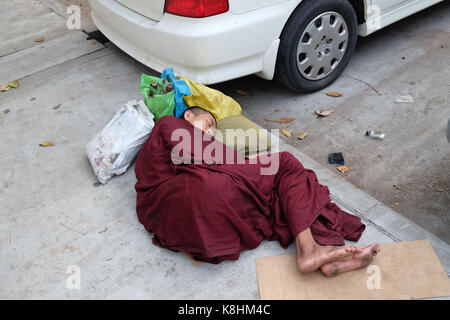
(53, 217)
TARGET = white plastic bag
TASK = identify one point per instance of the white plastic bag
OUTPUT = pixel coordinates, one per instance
(114, 148)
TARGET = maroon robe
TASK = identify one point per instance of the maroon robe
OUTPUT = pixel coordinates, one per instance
(213, 211)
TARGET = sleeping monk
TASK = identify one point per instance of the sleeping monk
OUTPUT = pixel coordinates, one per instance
(200, 204)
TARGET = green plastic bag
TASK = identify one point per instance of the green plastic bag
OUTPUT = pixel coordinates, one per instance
(158, 102)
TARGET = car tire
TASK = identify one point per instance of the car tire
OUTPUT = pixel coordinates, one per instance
(314, 30)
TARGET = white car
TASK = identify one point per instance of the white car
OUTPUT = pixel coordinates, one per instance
(305, 44)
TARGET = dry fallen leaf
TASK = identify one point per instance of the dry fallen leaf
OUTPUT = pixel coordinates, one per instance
(440, 190)
(41, 39)
(286, 120)
(343, 169)
(397, 187)
(324, 113)
(14, 84)
(283, 120)
(302, 135)
(4, 87)
(241, 92)
(286, 132)
(334, 94)
(46, 144)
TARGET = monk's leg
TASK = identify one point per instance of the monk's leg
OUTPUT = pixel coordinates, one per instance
(312, 256)
(360, 260)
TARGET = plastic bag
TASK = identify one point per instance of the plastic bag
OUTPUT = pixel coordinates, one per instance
(159, 102)
(181, 89)
(214, 101)
(114, 148)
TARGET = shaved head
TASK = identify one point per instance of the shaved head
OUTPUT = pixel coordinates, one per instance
(201, 119)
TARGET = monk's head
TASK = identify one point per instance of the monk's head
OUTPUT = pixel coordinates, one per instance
(201, 118)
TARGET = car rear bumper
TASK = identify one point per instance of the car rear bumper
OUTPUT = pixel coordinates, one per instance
(207, 50)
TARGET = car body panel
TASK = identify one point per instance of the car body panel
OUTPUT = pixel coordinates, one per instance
(152, 9)
(239, 6)
(381, 13)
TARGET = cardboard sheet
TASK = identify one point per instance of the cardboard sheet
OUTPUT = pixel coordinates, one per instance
(401, 270)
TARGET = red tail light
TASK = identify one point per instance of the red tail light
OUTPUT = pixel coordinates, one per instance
(196, 8)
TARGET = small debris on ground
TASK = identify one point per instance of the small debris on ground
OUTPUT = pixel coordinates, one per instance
(404, 99)
(97, 184)
(286, 132)
(94, 42)
(12, 84)
(334, 94)
(241, 92)
(283, 120)
(324, 113)
(57, 107)
(343, 169)
(46, 144)
(104, 230)
(375, 134)
(41, 39)
(6, 111)
(302, 135)
(397, 187)
(437, 185)
(336, 158)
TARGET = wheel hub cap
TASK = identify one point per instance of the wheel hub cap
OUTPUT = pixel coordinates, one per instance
(322, 46)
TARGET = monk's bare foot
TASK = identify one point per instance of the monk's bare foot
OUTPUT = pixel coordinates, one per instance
(363, 257)
(311, 258)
